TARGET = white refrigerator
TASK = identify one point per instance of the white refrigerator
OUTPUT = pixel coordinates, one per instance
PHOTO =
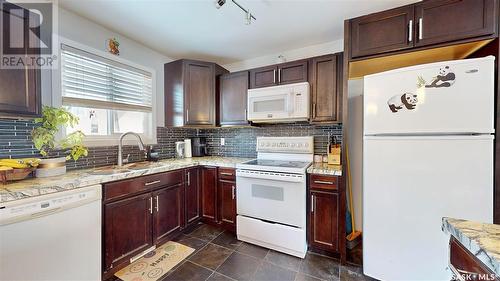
(427, 154)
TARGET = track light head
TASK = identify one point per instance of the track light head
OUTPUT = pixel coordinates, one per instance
(219, 3)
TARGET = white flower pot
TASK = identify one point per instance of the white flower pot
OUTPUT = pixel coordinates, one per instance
(51, 167)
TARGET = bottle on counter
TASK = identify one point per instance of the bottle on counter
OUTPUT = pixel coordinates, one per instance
(152, 154)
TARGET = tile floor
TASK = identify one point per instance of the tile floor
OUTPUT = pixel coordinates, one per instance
(220, 256)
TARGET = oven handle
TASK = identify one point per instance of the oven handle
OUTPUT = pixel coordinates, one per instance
(270, 176)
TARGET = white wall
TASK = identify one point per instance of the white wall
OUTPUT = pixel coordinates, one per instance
(355, 142)
(290, 55)
(88, 33)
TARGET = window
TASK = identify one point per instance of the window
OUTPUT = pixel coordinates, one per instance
(108, 96)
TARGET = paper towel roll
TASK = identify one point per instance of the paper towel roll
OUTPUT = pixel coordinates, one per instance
(187, 147)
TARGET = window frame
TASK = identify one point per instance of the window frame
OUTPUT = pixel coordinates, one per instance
(113, 139)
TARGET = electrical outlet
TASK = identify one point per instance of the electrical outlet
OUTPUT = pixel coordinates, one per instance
(222, 141)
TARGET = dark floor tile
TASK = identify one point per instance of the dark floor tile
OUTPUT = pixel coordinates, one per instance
(239, 267)
(211, 256)
(252, 250)
(320, 267)
(228, 240)
(219, 277)
(189, 271)
(192, 242)
(271, 272)
(302, 277)
(348, 274)
(283, 260)
(206, 232)
(192, 228)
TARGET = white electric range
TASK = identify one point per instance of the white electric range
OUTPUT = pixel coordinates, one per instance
(271, 194)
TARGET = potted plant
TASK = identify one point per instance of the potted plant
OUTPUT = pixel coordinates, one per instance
(44, 139)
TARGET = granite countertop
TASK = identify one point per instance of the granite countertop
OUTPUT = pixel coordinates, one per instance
(81, 178)
(325, 169)
(481, 239)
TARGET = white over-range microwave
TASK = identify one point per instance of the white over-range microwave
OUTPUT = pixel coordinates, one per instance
(284, 103)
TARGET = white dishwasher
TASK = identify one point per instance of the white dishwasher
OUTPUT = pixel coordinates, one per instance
(52, 237)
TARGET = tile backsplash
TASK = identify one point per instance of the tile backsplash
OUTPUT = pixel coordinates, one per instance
(15, 141)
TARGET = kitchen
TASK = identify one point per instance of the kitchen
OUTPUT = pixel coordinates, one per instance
(269, 161)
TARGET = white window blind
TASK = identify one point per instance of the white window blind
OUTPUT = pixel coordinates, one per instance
(93, 81)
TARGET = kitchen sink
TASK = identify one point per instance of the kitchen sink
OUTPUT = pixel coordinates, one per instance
(113, 170)
(141, 165)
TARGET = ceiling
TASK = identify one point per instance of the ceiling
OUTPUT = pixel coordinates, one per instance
(196, 29)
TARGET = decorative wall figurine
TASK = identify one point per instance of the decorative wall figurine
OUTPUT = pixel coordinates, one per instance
(112, 46)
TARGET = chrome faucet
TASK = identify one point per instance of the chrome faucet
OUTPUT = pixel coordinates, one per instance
(120, 144)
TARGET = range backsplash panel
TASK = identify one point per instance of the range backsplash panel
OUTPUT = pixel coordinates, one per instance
(15, 141)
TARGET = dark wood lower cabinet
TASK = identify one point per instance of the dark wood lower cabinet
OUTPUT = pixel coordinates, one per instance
(324, 218)
(127, 229)
(227, 202)
(192, 195)
(168, 212)
(209, 194)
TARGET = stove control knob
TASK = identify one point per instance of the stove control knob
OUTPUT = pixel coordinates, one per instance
(306, 144)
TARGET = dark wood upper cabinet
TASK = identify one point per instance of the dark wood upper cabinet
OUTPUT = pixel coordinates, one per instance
(426, 24)
(233, 98)
(382, 32)
(264, 76)
(325, 84)
(227, 195)
(193, 203)
(324, 220)
(292, 72)
(127, 230)
(279, 74)
(191, 93)
(451, 20)
(19, 88)
(209, 194)
(168, 212)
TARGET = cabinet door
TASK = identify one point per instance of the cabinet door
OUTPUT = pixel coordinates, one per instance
(325, 88)
(193, 203)
(19, 88)
(199, 87)
(324, 220)
(209, 193)
(382, 32)
(292, 72)
(168, 211)
(264, 77)
(127, 228)
(227, 191)
(441, 21)
(233, 98)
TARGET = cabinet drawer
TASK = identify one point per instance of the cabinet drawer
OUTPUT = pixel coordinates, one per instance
(227, 174)
(323, 182)
(464, 262)
(135, 185)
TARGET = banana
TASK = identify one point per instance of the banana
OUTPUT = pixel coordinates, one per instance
(3, 168)
(20, 163)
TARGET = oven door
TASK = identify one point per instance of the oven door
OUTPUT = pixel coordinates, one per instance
(273, 197)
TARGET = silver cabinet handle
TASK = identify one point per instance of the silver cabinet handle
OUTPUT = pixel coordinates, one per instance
(314, 110)
(226, 174)
(279, 75)
(189, 178)
(410, 31)
(152, 182)
(274, 76)
(157, 204)
(187, 115)
(420, 28)
(233, 191)
(150, 205)
(312, 203)
(324, 182)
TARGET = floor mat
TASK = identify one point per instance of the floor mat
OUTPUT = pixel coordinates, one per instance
(156, 263)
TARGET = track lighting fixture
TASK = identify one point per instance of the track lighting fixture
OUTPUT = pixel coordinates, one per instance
(248, 15)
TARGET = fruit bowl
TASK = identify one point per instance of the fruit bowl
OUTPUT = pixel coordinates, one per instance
(15, 174)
